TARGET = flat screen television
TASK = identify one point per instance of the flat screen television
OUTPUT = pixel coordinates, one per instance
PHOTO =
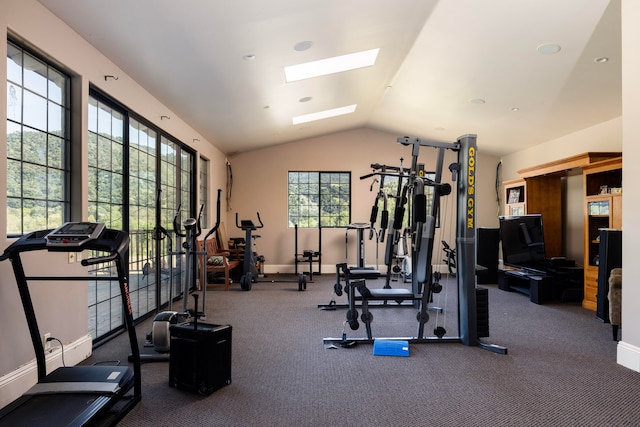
(522, 240)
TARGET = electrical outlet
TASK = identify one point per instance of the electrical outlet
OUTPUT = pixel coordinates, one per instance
(45, 341)
(72, 257)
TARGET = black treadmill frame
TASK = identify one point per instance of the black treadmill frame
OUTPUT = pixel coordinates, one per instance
(109, 408)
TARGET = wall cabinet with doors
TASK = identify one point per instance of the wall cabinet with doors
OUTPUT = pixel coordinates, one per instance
(543, 195)
(602, 210)
(540, 190)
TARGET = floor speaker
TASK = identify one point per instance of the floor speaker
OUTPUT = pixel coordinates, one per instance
(482, 308)
(200, 357)
(609, 257)
(487, 242)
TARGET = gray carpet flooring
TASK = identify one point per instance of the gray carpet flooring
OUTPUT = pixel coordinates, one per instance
(560, 369)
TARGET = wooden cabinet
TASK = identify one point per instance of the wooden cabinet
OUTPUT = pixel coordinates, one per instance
(602, 209)
(543, 195)
(539, 190)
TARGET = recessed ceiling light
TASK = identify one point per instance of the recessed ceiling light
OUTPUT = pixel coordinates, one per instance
(305, 99)
(514, 109)
(249, 57)
(302, 46)
(549, 48)
(477, 101)
(601, 59)
(333, 65)
(324, 114)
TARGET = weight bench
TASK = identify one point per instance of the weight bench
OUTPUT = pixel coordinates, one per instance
(355, 279)
(397, 295)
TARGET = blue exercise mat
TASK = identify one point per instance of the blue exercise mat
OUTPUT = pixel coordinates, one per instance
(382, 347)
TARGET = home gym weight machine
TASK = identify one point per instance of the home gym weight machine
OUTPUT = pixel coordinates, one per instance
(424, 280)
(76, 395)
(250, 272)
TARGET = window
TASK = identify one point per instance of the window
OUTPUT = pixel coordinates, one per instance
(204, 188)
(129, 160)
(106, 204)
(142, 207)
(37, 143)
(319, 199)
(105, 160)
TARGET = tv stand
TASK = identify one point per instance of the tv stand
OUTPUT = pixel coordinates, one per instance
(537, 286)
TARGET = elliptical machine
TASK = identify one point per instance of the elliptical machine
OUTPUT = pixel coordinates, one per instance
(159, 337)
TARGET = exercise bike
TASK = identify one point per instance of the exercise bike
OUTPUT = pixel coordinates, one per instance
(253, 263)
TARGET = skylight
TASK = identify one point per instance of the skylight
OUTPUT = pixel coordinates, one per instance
(324, 114)
(333, 65)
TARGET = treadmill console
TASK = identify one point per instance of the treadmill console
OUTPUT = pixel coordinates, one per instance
(74, 234)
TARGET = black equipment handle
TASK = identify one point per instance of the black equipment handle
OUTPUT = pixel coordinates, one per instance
(159, 232)
(198, 226)
(99, 259)
(217, 224)
(254, 226)
(176, 226)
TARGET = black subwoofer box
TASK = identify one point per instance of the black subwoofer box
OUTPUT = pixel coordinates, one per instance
(200, 357)
(482, 307)
(488, 242)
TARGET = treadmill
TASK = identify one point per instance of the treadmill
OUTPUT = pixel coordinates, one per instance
(77, 395)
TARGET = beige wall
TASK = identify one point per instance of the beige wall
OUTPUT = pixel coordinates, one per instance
(629, 347)
(62, 308)
(260, 185)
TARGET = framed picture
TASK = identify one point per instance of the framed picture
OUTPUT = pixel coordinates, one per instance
(514, 195)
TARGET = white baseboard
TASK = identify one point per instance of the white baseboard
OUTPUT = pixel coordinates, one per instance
(328, 268)
(14, 384)
(628, 356)
(304, 267)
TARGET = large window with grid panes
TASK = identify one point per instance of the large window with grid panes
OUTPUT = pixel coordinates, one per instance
(38, 141)
(138, 177)
(319, 199)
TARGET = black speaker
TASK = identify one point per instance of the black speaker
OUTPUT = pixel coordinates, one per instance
(609, 257)
(482, 308)
(200, 357)
(487, 242)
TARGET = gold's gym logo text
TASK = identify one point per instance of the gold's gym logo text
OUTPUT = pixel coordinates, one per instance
(471, 187)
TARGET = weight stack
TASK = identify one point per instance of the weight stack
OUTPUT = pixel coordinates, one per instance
(482, 309)
(200, 357)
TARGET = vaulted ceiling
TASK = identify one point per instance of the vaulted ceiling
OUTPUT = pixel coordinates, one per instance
(445, 67)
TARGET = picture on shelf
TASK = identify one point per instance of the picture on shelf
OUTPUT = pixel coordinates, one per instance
(514, 195)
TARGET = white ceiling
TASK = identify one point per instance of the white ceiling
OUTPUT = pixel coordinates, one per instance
(435, 56)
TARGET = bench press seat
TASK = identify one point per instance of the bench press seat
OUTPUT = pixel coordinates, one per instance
(384, 294)
(363, 273)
